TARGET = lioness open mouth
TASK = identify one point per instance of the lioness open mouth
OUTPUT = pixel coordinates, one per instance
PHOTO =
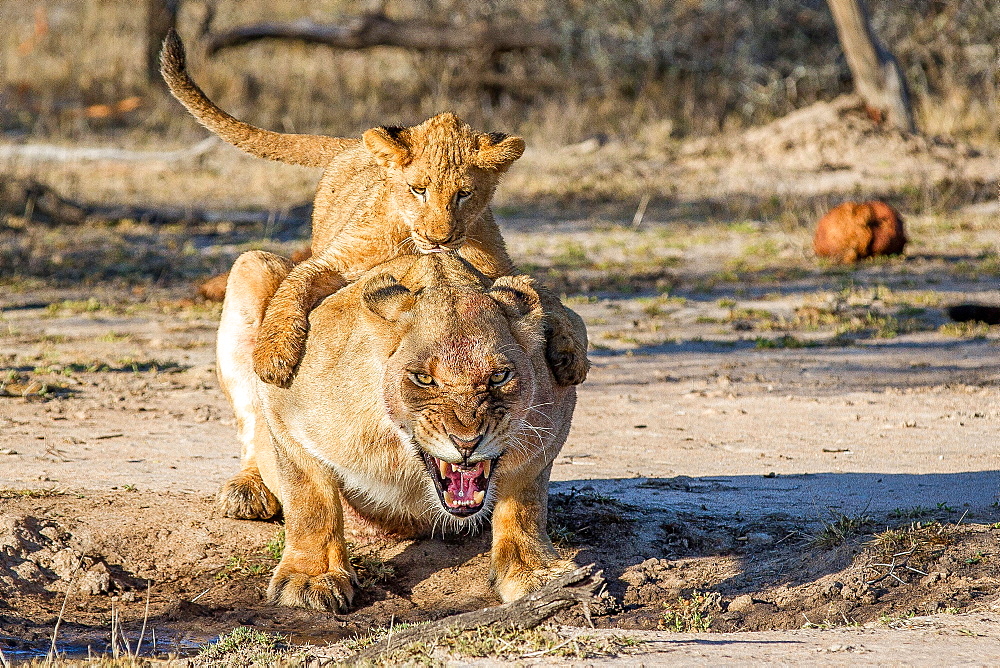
(462, 489)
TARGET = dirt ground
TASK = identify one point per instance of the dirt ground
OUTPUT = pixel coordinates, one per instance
(772, 460)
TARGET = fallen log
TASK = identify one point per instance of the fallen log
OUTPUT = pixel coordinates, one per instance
(578, 586)
(49, 152)
(370, 30)
(38, 202)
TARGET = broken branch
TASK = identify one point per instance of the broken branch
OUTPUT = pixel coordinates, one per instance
(371, 30)
(526, 612)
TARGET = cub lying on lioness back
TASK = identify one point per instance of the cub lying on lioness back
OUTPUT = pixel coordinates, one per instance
(423, 400)
(397, 191)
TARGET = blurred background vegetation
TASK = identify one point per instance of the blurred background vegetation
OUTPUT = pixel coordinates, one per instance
(625, 68)
(664, 103)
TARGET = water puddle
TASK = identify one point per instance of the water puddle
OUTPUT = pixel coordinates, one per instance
(83, 645)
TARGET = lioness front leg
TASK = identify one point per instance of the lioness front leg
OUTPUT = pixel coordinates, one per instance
(281, 339)
(252, 281)
(565, 340)
(315, 570)
(522, 558)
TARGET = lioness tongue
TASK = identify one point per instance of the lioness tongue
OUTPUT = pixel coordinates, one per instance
(462, 487)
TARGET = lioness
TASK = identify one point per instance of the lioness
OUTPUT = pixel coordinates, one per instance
(423, 400)
(421, 189)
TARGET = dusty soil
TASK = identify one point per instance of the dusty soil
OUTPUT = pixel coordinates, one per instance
(765, 444)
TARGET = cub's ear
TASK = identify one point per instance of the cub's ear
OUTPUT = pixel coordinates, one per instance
(390, 145)
(517, 295)
(386, 298)
(497, 151)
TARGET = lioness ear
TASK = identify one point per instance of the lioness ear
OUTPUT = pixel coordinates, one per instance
(497, 151)
(389, 145)
(517, 296)
(386, 298)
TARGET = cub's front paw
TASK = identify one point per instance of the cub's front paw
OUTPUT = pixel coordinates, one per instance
(246, 497)
(567, 359)
(331, 591)
(279, 348)
(516, 581)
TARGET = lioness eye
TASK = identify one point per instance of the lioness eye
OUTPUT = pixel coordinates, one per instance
(423, 379)
(500, 377)
(419, 192)
(464, 194)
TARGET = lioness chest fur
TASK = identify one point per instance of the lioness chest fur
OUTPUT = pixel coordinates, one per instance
(396, 191)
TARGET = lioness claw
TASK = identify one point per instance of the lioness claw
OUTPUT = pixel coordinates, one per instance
(327, 591)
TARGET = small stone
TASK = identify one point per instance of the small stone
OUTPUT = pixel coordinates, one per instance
(833, 589)
(96, 581)
(930, 579)
(636, 578)
(51, 533)
(741, 603)
(649, 564)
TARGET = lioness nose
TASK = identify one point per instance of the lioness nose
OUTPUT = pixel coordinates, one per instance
(438, 236)
(466, 446)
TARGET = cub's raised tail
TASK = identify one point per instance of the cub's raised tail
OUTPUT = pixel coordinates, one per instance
(295, 149)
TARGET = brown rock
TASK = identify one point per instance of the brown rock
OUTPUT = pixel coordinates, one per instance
(851, 231)
(214, 289)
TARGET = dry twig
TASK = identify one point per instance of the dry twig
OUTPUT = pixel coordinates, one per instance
(578, 586)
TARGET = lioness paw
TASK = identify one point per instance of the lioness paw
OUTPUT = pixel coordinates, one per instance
(518, 581)
(567, 359)
(246, 497)
(331, 591)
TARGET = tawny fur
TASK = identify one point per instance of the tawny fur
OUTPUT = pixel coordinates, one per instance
(851, 231)
(396, 191)
(350, 426)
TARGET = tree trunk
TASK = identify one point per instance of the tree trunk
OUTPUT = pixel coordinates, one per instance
(877, 77)
(161, 16)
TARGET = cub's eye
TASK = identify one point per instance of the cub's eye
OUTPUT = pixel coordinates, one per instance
(463, 194)
(423, 379)
(419, 192)
(500, 377)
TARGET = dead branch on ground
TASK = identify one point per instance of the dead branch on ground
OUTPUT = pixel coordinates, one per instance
(38, 202)
(49, 152)
(578, 586)
(375, 29)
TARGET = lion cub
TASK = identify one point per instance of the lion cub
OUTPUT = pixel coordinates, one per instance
(396, 191)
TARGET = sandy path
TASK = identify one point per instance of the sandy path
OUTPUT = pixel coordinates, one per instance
(695, 426)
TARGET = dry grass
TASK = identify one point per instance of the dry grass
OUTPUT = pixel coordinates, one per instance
(626, 67)
(501, 643)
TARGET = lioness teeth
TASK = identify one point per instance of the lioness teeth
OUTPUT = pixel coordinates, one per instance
(487, 465)
(476, 500)
(445, 468)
